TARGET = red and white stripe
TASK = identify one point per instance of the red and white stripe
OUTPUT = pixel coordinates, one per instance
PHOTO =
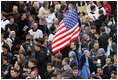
(63, 37)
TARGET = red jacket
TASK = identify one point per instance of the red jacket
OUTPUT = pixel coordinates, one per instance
(109, 9)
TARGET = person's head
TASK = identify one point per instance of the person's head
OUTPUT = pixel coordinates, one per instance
(101, 12)
(55, 21)
(23, 16)
(53, 58)
(42, 41)
(12, 34)
(58, 57)
(100, 70)
(99, 3)
(106, 19)
(5, 48)
(102, 30)
(93, 29)
(14, 72)
(11, 19)
(45, 4)
(51, 10)
(62, 8)
(49, 67)
(21, 2)
(75, 71)
(110, 61)
(111, 17)
(53, 29)
(86, 35)
(101, 51)
(73, 45)
(28, 37)
(58, 75)
(5, 60)
(91, 2)
(93, 8)
(72, 55)
(65, 61)
(32, 18)
(33, 75)
(70, 6)
(35, 26)
(37, 46)
(17, 64)
(31, 62)
(57, 8)
(96, 45)
(15, 9)
(86, 53)
(113, 74)
(4, 15)
(104, 2)
(36, 5)
(45, 36)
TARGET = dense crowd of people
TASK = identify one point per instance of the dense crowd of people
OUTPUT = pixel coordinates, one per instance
(28, 29)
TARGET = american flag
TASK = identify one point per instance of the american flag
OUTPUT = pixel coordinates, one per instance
(67, 31)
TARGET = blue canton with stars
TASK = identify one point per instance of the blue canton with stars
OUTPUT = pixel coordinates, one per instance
(71, 19)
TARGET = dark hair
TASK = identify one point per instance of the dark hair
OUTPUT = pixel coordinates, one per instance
(4, 14)
(93, 27)
(38, 44)
(75, 43)
(28, 52)
(112, 60)
(100, 11)
(67, 60)
(59, 56)
(49, 64)
(92, 7)
(41, 40)
(51, 10)
(102, 29)
(11, 17)
(114, 72)
(33, 16)
(45, 4)
(87, 33)
(6, 46)
(4, 35)
(100, 67)
(32, 60)
(62, 8)
(110, 16)
(19, 63)
(75, 68)
(52, 28)
(45, 35)
(15, 52)
(15, 70)
(5, 58)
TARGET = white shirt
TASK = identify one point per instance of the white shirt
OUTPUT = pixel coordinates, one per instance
(49, 20)
(4, 23)
(93, 15)
(36, 34)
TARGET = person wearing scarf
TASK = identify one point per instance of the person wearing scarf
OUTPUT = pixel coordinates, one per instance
(73, 59)
(86, 66)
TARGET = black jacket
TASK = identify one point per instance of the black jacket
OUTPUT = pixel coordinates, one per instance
(107, 70)
(73, 77)
(103, 41)
(48, 75)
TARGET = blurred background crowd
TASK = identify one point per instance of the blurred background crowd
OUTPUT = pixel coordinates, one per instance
(27, 31)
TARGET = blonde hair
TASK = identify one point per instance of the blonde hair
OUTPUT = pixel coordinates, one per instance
(57, 7)
(85, 18)
(35, 4)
